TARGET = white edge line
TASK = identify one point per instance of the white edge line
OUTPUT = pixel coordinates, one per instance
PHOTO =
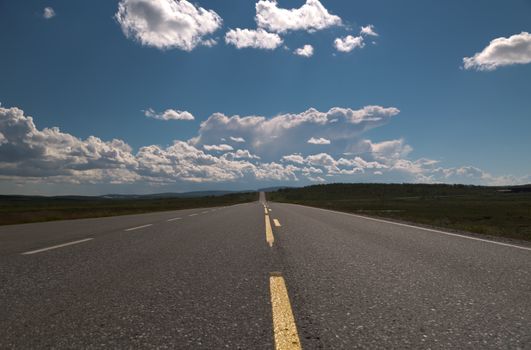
(138, 227)
(174, 219)
(418, 227)
(57, 246)
(192, 215)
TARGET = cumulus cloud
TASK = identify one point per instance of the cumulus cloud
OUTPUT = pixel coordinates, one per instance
(48, 13)
(51, 156)
(368, 30)
(311, 16)
(169, 114)
(240, 154)
(28, 151)
(316, 179)
(294, 158)
(219, 148)
(502, 52)
(250, 38)
(167, 24)
(237, 139)
(305, 51)
(32, 155)
(324, 163)
(393, 149)
(185, 162)
(349, 43)
(319, 141)
(271, 138)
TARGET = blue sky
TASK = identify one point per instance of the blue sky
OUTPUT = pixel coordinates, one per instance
(99, 75)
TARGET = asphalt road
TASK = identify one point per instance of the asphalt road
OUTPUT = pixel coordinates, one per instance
(202, 279)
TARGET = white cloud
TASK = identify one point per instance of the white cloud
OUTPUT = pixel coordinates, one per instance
(48, 13)
(27, 151)
(237, 139)
(250, 38)
(369, 114)
(316, 179)
(319, 141)
(209, 42)
(240, 154)
(324, 163)
(502, 52)
(310, 17)
(50, 156)
(271, 138)
(167, 24)
(368, 30)
(219, 148)
(184, 162)
(169, 114)
(394, 149)
(305, 51)
(294, 158)
(321, 159)
(311, 170)
(349, 43)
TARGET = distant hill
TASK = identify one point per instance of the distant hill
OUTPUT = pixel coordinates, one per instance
(274, 188)
(492, 210)
(517, 189)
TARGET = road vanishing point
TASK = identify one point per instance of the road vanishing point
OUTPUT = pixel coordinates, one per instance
(260, 275)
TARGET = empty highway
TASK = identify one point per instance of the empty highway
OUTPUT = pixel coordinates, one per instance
(261, 275)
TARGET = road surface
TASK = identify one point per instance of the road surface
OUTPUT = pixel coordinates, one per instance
(238, 278)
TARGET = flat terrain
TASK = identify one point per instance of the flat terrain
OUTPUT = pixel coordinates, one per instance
(200, 279)
(25, 209)
(483, 210)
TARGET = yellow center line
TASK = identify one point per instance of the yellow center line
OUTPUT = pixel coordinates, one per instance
(265, 210)
(277, 223)
(269, 232)
(284, 327)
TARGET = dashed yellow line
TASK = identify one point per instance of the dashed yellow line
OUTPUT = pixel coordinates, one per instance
(284, 327)
(277, 223)
(265, 210)
(269, 232)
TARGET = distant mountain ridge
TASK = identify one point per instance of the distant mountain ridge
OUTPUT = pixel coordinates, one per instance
(274, 188)
(195, 194)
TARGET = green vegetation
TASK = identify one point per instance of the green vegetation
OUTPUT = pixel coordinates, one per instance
(486, 210)
(23, 209)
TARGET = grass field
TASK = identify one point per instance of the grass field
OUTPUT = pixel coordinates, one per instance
(483, 210)
(21, 209)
